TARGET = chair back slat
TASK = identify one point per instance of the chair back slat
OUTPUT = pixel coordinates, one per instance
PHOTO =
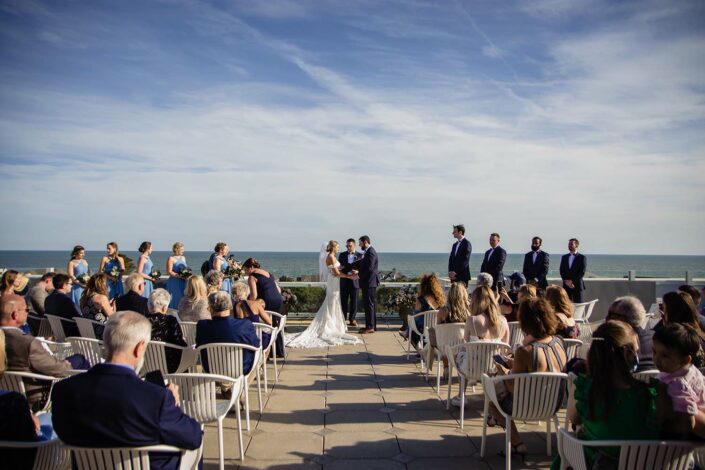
(516, 336)
(537, 395)
(480, 358)
(92, 349)
(12, 383)
(571, 346)
(136, 458)
(188, 329)
(57, 327)
(86, 328)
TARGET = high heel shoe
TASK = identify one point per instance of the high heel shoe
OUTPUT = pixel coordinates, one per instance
(520, 449)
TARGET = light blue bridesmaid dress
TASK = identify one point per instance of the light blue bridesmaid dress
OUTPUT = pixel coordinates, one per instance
(176, 285)
(227, 284)
(79, 268)
(115, 288)
(147, 269)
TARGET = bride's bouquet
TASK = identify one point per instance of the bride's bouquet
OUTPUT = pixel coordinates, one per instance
(185, 272)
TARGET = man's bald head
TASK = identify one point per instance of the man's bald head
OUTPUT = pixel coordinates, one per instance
(13, 310)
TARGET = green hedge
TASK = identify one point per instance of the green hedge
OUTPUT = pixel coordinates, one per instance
(309, 299)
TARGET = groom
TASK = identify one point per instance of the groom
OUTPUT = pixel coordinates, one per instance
(369, 280)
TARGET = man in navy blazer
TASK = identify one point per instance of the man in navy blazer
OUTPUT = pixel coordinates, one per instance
(368, 268)
(349, 287)
(109, 406)
(536, 264)
(59, 303)
(573, 267)
(459, 259)
(133, 299)
(493, 262)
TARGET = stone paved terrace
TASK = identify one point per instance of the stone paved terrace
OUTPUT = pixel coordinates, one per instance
(365, 407)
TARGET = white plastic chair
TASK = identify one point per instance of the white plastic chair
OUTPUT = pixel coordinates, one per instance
(60, 350)
(430, 319)
(572, 346)
(14, 381)
(516, 336)
(92, 349)
(479, 361)
(197, 393)
(633, 455)
(188, 329)
(155, 357)
(582, 311)
(44, 330)
(86, 327)
(646, 375)
(50, 454)
(226, 359)
(280, 332)
(536, 396)
(266, 352)
(447, 335)
(585, 334)
(119, 458)
(57, 327)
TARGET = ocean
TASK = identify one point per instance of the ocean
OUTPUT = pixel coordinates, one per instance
(294, 264)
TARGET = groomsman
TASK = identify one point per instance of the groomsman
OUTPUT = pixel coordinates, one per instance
(493, 262)
(349, 287)
(459, 259)
(573, 266)
(536, 263)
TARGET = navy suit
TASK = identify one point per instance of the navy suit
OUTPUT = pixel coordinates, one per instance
(109, 406)
(536, 271)
(459, 261)
(368, 268)
(61, 305)
(227, 330)
(348, 287)
(132, 301)
(494, 264)
(575, 273)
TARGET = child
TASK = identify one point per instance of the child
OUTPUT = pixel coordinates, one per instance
(674, 348)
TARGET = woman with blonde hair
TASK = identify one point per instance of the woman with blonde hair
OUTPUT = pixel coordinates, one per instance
(558, 298)
(193, 306)
(174, 266)
(457, 308)
(485, 320)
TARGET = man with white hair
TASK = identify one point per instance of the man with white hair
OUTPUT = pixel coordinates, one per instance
(133, 299)
(484, 279)
(109, 406)
(630, 310)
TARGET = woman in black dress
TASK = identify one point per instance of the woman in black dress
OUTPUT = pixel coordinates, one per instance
(263, 286)
(165, 327)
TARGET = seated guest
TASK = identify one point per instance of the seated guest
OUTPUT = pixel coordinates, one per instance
(110, 406)
(165, 327)
(94, 300)
(9, 282)
(431, 297)
(563, 308)
(133, 299)
(193, 306)
(544, 353)
(608, 403)
(678, 308)
(224, 328)
(214, 280)
(28, 354)
(39, 292)
(253, 310)
(484, 279)
(60, 304)
(485, 320)
(509, 304)
(630, 310)
(457, 308)
(694, 294)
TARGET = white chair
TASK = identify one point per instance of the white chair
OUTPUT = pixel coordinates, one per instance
(14, 381)
(585, 334)
(57, 327)
(266, 352)
(188, 329)
(60, 350)
(572, 346)
(92, 349)
(430, 319)
(582, 311)
(479, 360)
(44, 329)
(447, 335)
(50, 454)
(646, 375)
(536, 398)
(280, 332)
(226, 359)
(197, 392)
(516, 336)
(120, 458)
(633, 455)
(155, 357)
(86, 327)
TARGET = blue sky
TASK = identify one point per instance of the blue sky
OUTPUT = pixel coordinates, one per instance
(277, 125)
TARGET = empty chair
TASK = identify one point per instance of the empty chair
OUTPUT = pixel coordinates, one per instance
(57, 326)
(226, 359)
(88, 327)
(121, 458)
(583, 311)
(537, 397)
(633, 455)
(39, 326)
(50, 454)
(572, 347)
(92, 349)
(155, 357)
(188, 329)
(516, 336)
(430, 319)
(266, 352)
(198, 400)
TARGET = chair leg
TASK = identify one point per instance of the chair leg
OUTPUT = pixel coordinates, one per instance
(438, 375)
(485, 414)
(221, 450)
(462, 404)
(548, 437)
(264, 367)
(247, 405)
(259, 393)
(508, 444)
(276, 371)
(239, 430)
(450, 385)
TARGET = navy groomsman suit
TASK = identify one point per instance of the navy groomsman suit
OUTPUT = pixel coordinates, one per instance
(573, 267)
(493, 264)
(459, 260)
(348, 287)
(535, 267)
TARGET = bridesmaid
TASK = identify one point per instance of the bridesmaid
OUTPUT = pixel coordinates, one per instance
(144, 267)
(218, 262)
(263, 286)
(176, 284)
(76, 267)
(109, 263)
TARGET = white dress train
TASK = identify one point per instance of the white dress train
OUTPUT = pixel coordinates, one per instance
(328, 327)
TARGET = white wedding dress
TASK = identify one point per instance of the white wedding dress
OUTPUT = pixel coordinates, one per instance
(328, 327)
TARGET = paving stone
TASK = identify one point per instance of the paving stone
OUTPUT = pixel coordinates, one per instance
(425, 444)
(366, 464)
(368, 445)
(298, 445)
(357, 421)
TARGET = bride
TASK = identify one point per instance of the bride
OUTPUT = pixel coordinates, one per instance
(328, 327)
